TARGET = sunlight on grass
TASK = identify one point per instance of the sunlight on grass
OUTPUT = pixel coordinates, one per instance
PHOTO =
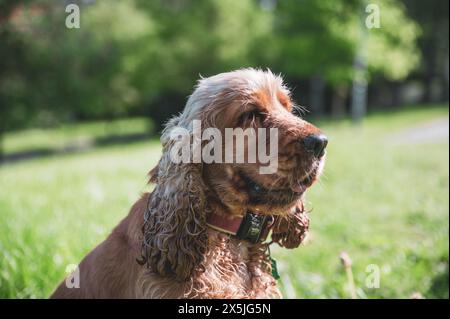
(58, 137)
(385, 204)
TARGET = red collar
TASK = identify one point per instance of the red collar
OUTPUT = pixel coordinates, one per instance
(225, 224)
(251, 227)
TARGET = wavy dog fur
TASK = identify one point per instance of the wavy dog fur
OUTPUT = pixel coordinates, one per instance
(163, 248)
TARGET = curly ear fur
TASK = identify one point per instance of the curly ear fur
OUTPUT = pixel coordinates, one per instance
(175, 237)
(290, 230)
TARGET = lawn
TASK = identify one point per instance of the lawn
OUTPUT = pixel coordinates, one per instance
(383, 201)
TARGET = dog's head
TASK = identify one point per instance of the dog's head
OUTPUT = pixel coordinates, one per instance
(257, 101)
(266, 172)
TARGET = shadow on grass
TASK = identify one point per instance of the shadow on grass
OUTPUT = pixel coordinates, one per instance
(440, 285)
(74, 147)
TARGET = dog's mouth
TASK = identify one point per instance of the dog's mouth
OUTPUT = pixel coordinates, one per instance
(294, 190)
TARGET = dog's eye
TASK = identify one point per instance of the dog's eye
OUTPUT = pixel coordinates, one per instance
(250, 116)
(298, 111)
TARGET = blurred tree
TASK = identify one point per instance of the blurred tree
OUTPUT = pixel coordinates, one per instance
(432, 16)
(319, 39)
(51, 73)
(87, 74)
(12, 53)
(142, 57)
(193, 38)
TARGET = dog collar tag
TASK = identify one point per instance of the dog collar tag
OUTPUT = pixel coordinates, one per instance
(273, 264)
(253, 226)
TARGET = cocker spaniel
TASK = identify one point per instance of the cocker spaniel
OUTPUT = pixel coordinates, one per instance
(203, 231)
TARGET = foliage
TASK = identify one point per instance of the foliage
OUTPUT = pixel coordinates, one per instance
(322, 37)
(142, 57)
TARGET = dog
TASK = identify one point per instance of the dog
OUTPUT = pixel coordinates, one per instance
(204, 230)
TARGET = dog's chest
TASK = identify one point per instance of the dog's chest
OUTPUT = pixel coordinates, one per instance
(234, 269)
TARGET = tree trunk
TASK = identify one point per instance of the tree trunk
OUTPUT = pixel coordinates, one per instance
(317, 86)
(445, 80)
(359, 88)
(397, 98)
(1, 147)
(340, 94)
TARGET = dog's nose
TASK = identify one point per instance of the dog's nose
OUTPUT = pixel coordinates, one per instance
(316, 144)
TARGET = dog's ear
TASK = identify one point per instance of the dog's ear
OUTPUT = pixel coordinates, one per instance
(174, 230)
(290, 230)
(153, 174)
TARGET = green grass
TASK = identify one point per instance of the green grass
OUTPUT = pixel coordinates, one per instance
(383, 203)
(71, 134)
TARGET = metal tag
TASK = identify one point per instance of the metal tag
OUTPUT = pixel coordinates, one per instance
(252, 227)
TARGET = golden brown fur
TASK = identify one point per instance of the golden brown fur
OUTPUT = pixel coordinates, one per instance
(164, 249)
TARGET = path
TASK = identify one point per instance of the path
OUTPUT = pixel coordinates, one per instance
(429, 132)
